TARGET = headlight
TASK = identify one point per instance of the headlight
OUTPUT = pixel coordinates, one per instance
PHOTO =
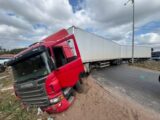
(55, 100)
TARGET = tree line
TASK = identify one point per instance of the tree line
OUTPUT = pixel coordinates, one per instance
(12, 51)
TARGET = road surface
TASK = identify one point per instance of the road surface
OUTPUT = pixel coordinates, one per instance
(139, 84)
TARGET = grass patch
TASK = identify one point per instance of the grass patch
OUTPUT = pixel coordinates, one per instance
(11, 108)
(153, 65)
(7, 80)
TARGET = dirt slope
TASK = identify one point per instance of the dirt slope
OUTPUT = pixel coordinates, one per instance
(99, 104)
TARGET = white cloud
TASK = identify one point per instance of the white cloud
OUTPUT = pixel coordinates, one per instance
(149, 38)
(80, 18)
(14, 21)
(107, 18)
(19, 26)
(5, 29)
(114, 20)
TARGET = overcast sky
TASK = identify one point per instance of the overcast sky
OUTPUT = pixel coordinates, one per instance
(23, 22)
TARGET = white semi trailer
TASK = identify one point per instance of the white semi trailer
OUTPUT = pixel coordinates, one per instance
(99, 52)
(140, 52)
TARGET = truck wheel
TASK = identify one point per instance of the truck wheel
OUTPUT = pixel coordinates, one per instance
(119, 62)
(79, 87)
(73, 93)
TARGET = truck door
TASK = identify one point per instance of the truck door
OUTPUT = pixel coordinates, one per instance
(68, 61)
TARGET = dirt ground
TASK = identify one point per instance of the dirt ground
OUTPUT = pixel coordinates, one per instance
(96, 103)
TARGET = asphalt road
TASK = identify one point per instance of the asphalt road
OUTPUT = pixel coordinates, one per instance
(139, 84)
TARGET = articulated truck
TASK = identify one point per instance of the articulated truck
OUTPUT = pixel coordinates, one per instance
(47, 73)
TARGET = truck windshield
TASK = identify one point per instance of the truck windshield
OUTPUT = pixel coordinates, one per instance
(31, 68)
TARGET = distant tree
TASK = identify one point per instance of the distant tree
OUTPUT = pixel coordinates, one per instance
(16, 50)
(12, 51)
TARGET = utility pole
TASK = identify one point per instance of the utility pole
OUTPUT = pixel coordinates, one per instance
(133, 7)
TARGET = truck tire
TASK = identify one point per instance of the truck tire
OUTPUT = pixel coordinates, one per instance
(119, 62)
(79, 87)
(73, 93)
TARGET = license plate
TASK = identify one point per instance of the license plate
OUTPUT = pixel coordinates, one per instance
(27, 85)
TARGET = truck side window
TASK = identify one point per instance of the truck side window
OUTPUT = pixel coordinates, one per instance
(71, 48)
(59, 56)
(64, 53)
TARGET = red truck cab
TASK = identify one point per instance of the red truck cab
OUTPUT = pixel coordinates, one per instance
(46, 73)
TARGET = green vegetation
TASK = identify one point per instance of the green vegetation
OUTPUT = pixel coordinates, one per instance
(12, 51)
(6, 80)
(10, 107)
(153, 65)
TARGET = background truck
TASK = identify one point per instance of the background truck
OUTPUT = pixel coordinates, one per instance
(156, 55)
(47, 73)
(3, 61)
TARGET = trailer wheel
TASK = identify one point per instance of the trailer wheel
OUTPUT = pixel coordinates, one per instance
(119, 62)
(79, 87)
(130, 61)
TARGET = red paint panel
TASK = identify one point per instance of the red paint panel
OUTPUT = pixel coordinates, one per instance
(68, 74)
(56, 36)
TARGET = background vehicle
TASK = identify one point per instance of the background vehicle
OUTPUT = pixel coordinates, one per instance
(156, 55)
(3, 62)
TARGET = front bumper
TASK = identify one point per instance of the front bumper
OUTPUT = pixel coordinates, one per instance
(61, 106)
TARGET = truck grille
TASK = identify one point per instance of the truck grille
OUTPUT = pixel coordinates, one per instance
(33, 92)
